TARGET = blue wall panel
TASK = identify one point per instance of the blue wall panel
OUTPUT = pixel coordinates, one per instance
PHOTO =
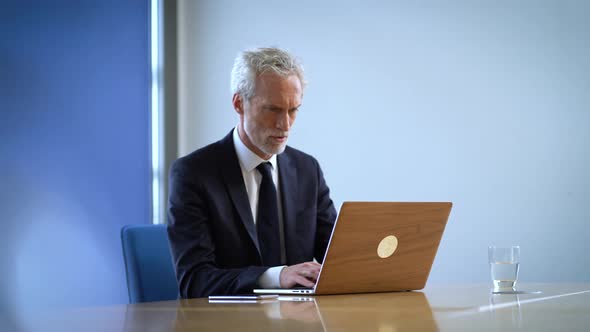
(74, 148)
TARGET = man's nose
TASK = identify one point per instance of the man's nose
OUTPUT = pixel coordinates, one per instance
(284, 121)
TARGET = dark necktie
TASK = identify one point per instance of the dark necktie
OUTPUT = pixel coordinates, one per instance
(267, 223)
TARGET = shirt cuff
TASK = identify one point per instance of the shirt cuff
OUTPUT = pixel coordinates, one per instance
(271, 278)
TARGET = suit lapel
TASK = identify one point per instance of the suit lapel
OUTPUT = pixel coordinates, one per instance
(288, 188)
(234, 182)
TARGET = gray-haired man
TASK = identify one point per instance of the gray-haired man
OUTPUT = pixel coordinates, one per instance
(248, 211)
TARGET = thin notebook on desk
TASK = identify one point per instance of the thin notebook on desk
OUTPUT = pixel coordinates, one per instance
(379, 247)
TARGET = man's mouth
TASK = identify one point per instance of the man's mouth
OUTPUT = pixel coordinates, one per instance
(279, 139)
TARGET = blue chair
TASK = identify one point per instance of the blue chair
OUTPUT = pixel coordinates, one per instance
(148, 264)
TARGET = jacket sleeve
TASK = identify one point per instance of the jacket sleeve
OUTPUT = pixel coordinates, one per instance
(326, 216)
(191, 244)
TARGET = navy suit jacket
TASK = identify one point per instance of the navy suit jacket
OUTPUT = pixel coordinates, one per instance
(212, 234)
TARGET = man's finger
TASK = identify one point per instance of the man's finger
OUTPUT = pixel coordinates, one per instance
(304, 282)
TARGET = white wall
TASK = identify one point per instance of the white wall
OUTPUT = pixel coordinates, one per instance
(483, 103)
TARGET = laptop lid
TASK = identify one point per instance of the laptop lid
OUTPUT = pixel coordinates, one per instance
(379, 247)
(382, 246)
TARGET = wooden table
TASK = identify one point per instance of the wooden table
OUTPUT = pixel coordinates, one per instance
(559, 307)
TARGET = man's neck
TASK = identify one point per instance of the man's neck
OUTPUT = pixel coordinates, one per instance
(246, 140)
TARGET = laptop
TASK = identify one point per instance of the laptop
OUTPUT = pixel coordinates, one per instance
(379, 247)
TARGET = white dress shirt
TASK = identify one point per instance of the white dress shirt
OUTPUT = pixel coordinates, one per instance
(252, 178)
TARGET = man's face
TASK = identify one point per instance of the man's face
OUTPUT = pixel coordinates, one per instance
(266, 118)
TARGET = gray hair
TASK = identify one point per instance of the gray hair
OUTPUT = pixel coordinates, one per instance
(251, 63)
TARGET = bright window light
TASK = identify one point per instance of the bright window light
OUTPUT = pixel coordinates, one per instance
(157, 113)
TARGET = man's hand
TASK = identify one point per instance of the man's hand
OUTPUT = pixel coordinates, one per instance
(304, 274)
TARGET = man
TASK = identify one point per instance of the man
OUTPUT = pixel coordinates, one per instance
(248, 211)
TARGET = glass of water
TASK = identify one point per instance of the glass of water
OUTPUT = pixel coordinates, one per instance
(504, 263)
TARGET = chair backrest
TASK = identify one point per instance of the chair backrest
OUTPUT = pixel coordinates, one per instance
(148, 263)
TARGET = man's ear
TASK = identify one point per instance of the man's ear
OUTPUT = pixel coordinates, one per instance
(238, 103)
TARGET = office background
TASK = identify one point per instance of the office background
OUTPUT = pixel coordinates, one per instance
(483, 103)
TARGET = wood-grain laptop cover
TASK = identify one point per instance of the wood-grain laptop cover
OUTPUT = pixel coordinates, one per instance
(382, 246)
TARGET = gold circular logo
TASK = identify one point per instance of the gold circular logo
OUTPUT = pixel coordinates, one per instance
(387, 246)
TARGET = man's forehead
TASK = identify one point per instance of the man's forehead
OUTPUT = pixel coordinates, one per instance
(278, 97)
(269, 105)
(276, 90)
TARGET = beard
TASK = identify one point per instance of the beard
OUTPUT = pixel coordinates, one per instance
(261, 137)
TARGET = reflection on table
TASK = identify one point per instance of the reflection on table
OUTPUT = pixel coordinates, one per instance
(437, 308)
(379, 312)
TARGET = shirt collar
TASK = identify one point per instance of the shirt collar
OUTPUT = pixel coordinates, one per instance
(248, 159)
